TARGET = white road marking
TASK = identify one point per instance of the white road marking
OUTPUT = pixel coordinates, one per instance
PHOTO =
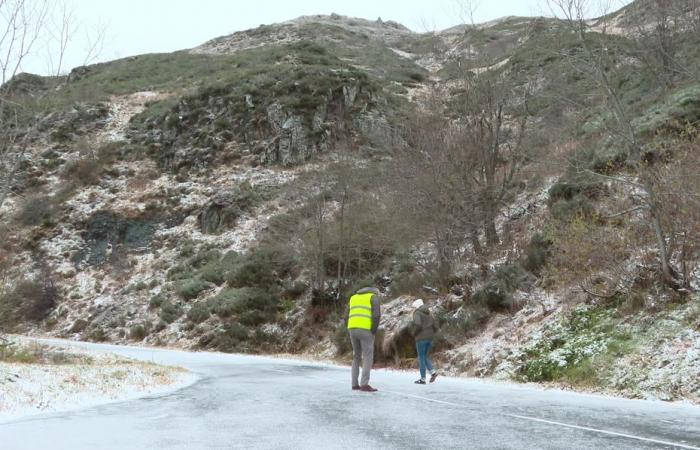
(611, 433)
(561, 424)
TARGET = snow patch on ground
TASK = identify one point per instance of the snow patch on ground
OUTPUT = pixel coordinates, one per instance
(98, 378)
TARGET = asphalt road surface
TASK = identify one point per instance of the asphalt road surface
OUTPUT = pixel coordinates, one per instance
(266, 403)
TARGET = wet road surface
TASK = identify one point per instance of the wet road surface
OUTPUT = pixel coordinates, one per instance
(266, 403)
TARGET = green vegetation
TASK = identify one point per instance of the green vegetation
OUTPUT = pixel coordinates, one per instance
(138, 332)
(170, 312)
(40, 354)
(191, 288)
(575, 349)
(199, 312)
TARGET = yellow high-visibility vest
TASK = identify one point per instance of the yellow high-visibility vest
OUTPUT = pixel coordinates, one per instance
(360, 315)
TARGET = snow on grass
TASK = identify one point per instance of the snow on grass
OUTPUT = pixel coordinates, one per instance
(79, 380)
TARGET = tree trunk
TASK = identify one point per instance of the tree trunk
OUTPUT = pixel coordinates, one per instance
(476, 244)
(490, 223)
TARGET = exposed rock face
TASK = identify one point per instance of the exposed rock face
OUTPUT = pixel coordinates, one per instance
(205, 127)
(226, 207)
(222, 211)
(108, 236)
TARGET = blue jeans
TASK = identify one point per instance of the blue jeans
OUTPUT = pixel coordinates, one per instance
(423, 347)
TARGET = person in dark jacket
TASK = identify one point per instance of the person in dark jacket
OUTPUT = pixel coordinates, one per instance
(424, 329)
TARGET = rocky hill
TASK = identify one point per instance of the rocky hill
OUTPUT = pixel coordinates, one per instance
(231, 196)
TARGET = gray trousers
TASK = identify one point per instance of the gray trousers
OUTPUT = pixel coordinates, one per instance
(362, 351)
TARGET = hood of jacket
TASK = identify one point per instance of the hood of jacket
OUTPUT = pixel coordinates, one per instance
(368, 290)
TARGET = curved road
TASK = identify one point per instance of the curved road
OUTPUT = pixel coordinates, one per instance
(266, 403)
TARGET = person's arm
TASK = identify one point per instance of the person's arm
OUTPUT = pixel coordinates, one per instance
(376, 312)
(417, 325)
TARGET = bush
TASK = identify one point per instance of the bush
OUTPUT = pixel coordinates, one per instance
(98, 335)
(244, 301)
(231, 339)
(170, 312)
(138, 332)
(475, 316)
(156, 301)
(198, 313)
(180, 272)
(30, 300)
(569, 210)
(408, 284)
(494, 295)
(261, 268)
(341, 339)
(512, 276)
(37, 210)
(85, 172)
(190, 289)
(294, 290)
(571, 186)
(536, 253)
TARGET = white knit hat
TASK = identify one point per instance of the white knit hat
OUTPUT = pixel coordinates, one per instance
(418, 303)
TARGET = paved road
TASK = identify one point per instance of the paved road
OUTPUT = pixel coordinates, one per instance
(264, 403)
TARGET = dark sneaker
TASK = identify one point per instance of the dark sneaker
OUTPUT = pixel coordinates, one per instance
(421, 381)
(356, 388)
(367, 388)
(433, 377)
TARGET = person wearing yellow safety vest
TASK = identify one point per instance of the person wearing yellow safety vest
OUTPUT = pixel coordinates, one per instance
(364, 313)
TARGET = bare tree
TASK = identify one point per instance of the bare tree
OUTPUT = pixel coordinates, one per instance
(494, 114)
(23, 25)
(660, 26)
(434, 184)
(598, 50)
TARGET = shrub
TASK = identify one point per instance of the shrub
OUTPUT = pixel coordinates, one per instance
(170, 312)
(138, 332)
(187, 249)
(30, 300)
(569, 210)
(294, 290)
(253, 317)
(156, 301)
(37, 210)
(571, 186)
(475, 316)
(231, 339)
(203, 258)
(85, 172)
(513, 276)
(190, 289)
(180, 272)
(261, 268)
(243, 301)
(341, 339)
(494, 295)
(536, 253)
(408, 283)
(198, 313)
(213, 272)
(98, 335)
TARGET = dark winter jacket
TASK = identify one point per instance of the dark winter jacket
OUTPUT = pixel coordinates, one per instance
(424, 325)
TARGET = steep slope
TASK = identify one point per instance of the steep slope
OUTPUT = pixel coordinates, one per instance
(230, 197)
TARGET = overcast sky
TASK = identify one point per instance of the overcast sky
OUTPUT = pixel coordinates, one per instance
(148, 26)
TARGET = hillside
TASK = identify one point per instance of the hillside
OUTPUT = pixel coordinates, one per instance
(534, 180)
